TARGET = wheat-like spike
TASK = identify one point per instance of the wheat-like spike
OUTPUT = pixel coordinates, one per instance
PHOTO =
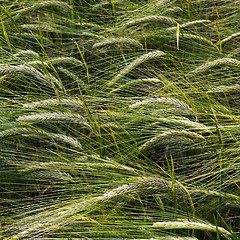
(150, 19)
(172, 238)
(231, 88)
(32, 36)
(121, 40)
(192, 225)
(235, 204)
(40, 5)
(206, 66)
(104, 3)
(173, 9)
(101, 4)
(162, 100)
(166, 135)
(35, 131)
(91, 25)
(48, 175)
(77, 165)
(66, 139)
(27, 53)
(44, 27)
(229, 38)
(182, 122)
(69, 74)
(203, 39)
(229, 196)
(187, 24)
(66, 60)
(92, 35)
(138, 81)
(88, 25)
(73, 76)
(160, 4)
(106, 165)
(58, 60)
(3, 78)
(30, 71)
(194, 22)
(54, 116)
(136, 62)
(20, 131)
(73, 102)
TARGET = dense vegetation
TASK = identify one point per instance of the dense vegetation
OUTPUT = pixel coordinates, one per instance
(120, 119)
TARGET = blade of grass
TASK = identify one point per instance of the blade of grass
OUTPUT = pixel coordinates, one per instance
(5, 34)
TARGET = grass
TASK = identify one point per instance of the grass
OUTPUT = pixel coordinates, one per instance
(119, 119)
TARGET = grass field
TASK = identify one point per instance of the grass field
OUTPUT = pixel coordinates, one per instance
(120, 119)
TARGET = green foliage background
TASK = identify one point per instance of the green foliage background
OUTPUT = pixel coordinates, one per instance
(120, 119)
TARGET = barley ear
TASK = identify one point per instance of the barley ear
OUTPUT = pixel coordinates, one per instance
(148, 56)
(72, 102)
(114, 41)
(155, 141)
(149, 19)
(192, 225)
(222, 61)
